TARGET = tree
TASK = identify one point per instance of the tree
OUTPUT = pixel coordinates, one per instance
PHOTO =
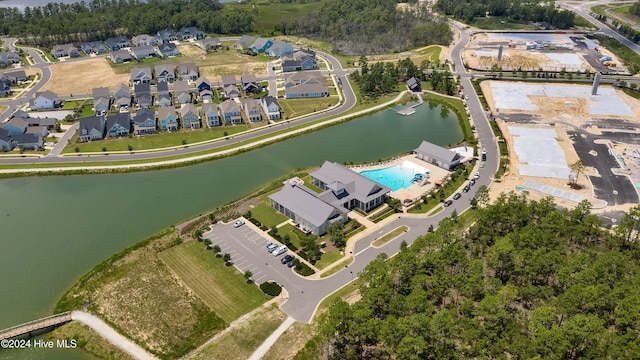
(577, 168)
(226, 258)
(216, 249)
(482, 196)
(77, 149)
(58, 127)
(247, 275)
(208, 242)
(336, 231)
(130, 147)
(212, 218)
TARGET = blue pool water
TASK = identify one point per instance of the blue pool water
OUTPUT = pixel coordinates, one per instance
(395, 177)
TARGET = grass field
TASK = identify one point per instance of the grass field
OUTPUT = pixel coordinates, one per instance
(87, 340)
(295, 236)
(338, 267)
(290, 342)
(220, 287)
(267, 215)
(328, 259)
(154, 141)
(243, 340)
(297, 107)
(390, 236)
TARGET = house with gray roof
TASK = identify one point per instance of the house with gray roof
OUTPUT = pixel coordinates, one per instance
(190, 32)
(182, 91)
(15, 126)
(91, 128)
(230, 112)
(251, 109)
(231, 91)
(204, 89)
(167, 49)
(167, 118)
(120, 56)
(14, 76)
(143, 52)
(5, 140)
(142, 93)
(434, 154)
(117, 43)
(69, 50)
(304, 206)
(249, 83)
(144, 122)
(122, 95)
(141, 75)
(271, 107)
(93, 47)
(41, 131)
(348, 189)
(190, 116)
(168, 35)
(188, 71)
(244, 42)
(165, 72)
(306, 91)
(8, 58)
(414, 85)
(300, 60)
(5, 87)
(279, 49)
(260, 45)
(28, 141)
(229, 80)
(45, 100)
(164, 97)
(208, 43)
(210, 114)
(47, 122)
(144, 39)
(118, 125)
(101, 100)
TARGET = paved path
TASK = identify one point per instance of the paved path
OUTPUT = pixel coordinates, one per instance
(112, 336)
(266, 345)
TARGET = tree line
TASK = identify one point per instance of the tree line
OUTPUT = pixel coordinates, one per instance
(358, 27)
(100, 19)
(526, 280)
(518, 10)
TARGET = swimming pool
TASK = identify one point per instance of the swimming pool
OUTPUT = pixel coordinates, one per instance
(395, 177)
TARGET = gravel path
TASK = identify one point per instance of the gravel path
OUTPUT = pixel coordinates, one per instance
(266, 345)
(111, 335)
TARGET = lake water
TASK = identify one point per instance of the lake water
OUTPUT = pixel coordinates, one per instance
(56, 228)
(21, 4)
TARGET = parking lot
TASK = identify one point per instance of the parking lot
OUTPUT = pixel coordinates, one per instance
(248, 250)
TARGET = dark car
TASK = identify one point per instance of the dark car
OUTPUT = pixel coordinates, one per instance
(291, 262)
(466, 188)
(448, 202)
(456, 196)
(286, 259)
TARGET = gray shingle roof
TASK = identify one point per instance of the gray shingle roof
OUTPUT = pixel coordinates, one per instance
(229, 80)
(305, 203)
(229, 106)
(143, 115)
(358, 186)
(166, 111)
(436, 152)
(101, 92)
(122, 119)
(90, 123)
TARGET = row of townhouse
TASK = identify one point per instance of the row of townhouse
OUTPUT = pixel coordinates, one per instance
(168, 118)
(22, 130)
(164, 73)
(292, 60)
(144, 52)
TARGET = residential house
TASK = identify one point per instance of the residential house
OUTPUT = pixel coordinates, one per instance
(5, 140)
(91, 128)
(164, 97)
(65, 50)
(229, 80)
(45, 100)
(101, 100)
(188, 71)
(144, 39)
(260, 45)
(244, 42)
(204, 89)
(120, 56)
(15, 76)
(210, 114)
(166, 36)
(182, 91)
(167, 49)
(348, 189)
(15, 126)
(306, 91)
(305, 207)
(118, 125)
(279, 49)
(251, 108)
(143, 52)
(144, 122)
(142, 92)
(167, 118)
(300, 60)
(28, 141)
(304, 78)
(249, 83)
(230, 112)
(5, 87)
(117, 43)
(434, 154)
(41, 131)
(165, 72)
(231, 91)
(190, 32)
(93, 47)
(271, 107)
(414, 85)
(8, 58)
(122, 96)
(208, 43)
(141, 75)
(190, 116)
(46, 122)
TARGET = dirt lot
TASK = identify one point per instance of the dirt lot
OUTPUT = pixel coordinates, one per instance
(80, 77)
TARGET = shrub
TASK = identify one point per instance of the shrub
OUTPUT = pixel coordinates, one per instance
(304, 270)
(271, 288)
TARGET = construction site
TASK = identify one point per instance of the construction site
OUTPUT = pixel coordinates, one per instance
(539, 51)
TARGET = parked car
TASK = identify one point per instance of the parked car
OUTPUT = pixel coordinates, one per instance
(481, 165)
(448, 202)
(281, 250)
(484, 151)
(286, 259)
(291, 262)
(238, 223)
(466, 188)
(472, 182)
(271, 247)
(457, 196)
(476, 176)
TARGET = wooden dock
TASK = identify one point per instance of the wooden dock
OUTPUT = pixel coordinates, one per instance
(410, 109)
(35, 325)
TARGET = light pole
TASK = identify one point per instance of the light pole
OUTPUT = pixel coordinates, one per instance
(352, 277)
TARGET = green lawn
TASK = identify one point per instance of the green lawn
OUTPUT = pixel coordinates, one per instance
(390, 235)
(296, 236)
(72, 104)
(328, 259)
(223, 289)
(307, 183)
(499, 23)
(154, 141)
(346, 262)
(297, 107)
(267, 215)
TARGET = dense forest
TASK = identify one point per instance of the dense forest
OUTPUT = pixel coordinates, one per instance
(100, 19)
(524, 281)
(358, 27)
(517, 10)
(635, 9)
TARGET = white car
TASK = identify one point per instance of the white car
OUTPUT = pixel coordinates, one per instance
(281, 250)
(238, 223)
(482, 164)
(476, 176)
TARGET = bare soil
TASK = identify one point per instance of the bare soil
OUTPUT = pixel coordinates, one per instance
(80, 77)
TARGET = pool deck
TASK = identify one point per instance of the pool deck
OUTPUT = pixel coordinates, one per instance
(414, 191)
